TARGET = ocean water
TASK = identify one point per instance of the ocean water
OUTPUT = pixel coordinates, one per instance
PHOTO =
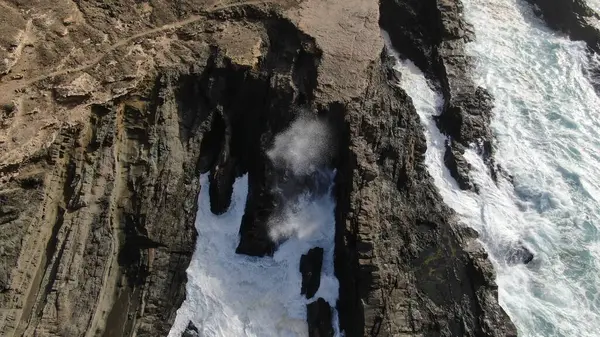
(547, 128)
(229, 294)
(237, 295)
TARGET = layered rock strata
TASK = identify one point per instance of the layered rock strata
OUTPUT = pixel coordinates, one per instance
(110, 111)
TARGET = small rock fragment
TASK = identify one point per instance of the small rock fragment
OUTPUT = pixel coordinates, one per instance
(190, 331)
(518, 254)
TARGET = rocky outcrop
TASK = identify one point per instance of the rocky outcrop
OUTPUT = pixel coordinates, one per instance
(310, 268)
(121, 106)
(403, 266)
(432, 34)
(572, 17)
(190, 331)
(457, 165)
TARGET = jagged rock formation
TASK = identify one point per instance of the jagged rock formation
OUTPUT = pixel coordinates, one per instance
(413, 266)
(319, 319)
(310, 267)
(432, 34)
(576, 19)
(457, 165)
(573, 17)
(111, 110)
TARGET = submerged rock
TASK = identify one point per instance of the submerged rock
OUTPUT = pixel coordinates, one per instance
(519, 254)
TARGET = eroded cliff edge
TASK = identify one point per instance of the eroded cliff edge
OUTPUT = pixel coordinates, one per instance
(111, 110)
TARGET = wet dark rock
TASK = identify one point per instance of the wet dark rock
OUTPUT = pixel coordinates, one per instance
(519, 254)
(319, 319)
(221, 179)
(190, 331)
(457, 165)
(467, 117)
(573, 17)
(224, 170)
(310, 267)
(432, 34)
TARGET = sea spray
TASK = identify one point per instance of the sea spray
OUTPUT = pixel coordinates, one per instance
(300, 155)
(303, 148)
(230, 294)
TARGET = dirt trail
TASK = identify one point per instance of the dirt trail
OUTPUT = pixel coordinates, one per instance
(16, 85)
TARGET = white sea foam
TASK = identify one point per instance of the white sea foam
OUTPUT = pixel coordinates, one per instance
(236, 295)
(232, 295)
(594, 4)
(304, 147)
(546, 123)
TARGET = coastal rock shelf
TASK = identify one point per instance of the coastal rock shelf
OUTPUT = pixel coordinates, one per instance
(110, 111)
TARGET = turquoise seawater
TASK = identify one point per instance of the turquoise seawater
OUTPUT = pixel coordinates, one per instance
(547, 128)
(547, 125)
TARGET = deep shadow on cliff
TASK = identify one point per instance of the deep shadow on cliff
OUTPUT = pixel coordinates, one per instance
(118, 195)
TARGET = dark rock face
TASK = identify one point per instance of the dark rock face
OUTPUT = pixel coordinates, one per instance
(457, 165)
(115, 192)
(190, 331)
(319, 319)
(403, 272)
(573, 17)
(310, 267)
(432, 34)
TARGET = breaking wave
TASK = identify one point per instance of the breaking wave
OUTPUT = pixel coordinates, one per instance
(546, 126)
(229, 294)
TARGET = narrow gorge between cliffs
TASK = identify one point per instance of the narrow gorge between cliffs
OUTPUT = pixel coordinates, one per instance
(230, 294)
(299, 168)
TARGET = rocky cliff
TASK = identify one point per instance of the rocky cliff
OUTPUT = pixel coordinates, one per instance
(573, 17)
(111, 110)
(577, 20)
